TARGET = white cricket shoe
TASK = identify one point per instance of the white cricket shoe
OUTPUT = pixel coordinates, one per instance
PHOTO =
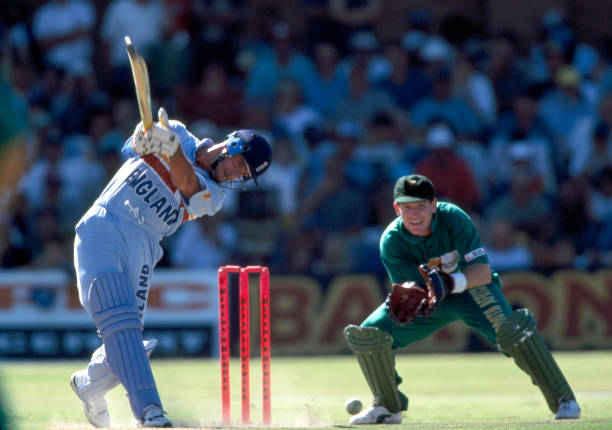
(568, 410)
(154, 416)
(96, 410)
(376, 414)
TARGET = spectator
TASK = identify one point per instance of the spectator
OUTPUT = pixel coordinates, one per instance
(82, 98)
(452, 176)
(99, 126)
(474, 153)
(170, 59)
(205, 243)
(48, 244)
(407, 83)
(504, 250)
(117, 22)
(48, 95)
(473, 86)
(419, 27)
(284, 61)
(64, 181)
(563, 107)
(124, 112)
(375, 156)
(442, 105)
(588, 64)
(283, 176)
(333, 205)
(64, 31)
(522, 120)
(524, 205)
(340, 143)
(365, 51)
(505, 69)
(33, 180)
(552, 50)
(214, 97)
(104, 137)
(504, 153)
(364, 101)
(589, 144)
(551, 248)
(324, 89)
(436, 54)
(217, 28)
(291, 116)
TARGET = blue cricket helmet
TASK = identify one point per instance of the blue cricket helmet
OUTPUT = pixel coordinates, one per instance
(254, 148)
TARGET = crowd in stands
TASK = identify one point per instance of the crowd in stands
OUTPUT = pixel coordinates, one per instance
(517, 132)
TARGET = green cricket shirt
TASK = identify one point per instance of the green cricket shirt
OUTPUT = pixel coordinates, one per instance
(453, 244)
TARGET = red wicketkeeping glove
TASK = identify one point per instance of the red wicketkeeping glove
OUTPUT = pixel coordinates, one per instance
(405, 302)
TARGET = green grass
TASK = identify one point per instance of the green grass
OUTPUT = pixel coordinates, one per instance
(451, 391)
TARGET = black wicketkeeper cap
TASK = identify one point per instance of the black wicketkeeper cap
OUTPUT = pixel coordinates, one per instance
(413, 188)
(256, 152)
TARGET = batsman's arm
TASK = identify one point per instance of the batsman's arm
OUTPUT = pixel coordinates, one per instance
(182, 171)
(183, 174)
(200, 196)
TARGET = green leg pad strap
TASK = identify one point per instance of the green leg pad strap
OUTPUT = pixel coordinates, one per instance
(372, 347)
(518, 336)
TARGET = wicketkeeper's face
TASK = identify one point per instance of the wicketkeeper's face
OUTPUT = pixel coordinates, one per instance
(417, 216)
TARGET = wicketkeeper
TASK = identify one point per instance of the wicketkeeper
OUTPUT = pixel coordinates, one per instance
(170, 177)
(440, 273)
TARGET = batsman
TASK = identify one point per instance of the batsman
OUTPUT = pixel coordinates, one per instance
(440, 273)
(169, 177)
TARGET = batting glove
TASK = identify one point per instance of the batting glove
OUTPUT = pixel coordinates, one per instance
(158, 139)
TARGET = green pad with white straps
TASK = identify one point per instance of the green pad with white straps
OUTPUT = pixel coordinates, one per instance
(372, 347)
(518, 336)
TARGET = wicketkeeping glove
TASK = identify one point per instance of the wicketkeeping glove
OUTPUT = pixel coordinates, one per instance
(158, 139)
(439, 284)
(405, 302)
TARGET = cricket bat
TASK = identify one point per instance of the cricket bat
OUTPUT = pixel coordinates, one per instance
(141, 82)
